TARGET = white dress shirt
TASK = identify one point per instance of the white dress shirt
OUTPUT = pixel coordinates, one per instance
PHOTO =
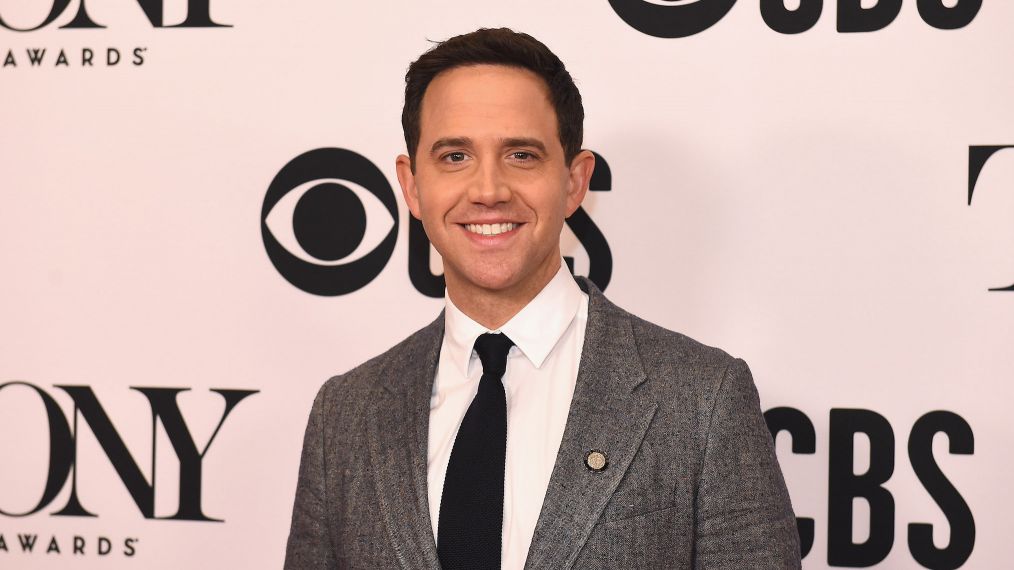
(539, 382)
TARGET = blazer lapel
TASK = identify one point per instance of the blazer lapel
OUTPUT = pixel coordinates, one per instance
(398, 430)
(607, 415)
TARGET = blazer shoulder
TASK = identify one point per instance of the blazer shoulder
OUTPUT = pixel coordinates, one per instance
(658, 343)
(670, 357)
(654, 343)
(661, 348)
(676, 364)
(682, 365)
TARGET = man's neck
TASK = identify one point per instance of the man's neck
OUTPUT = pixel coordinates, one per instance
(493, 308)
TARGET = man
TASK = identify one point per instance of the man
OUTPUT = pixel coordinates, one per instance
(574, 435)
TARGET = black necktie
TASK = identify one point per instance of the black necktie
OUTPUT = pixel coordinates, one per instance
(470, 528)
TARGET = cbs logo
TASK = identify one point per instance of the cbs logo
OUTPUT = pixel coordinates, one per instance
(329, 223)
(315, 225)
(682, 18)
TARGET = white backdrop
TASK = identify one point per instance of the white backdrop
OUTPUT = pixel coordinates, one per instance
(798, 200)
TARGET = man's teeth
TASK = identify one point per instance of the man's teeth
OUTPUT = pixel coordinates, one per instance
(490, 229)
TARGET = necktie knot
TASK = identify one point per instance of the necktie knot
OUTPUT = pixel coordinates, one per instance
(493, 349)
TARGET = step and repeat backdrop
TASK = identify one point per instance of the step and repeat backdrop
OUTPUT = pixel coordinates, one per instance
(200, 222)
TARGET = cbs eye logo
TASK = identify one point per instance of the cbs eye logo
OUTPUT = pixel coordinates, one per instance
(330, 222)
(327, 234)
(671, 18)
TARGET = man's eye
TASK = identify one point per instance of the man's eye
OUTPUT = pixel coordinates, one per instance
(454, 157)
(522, 155)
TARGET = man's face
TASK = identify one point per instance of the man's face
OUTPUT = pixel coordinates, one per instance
(491, 184)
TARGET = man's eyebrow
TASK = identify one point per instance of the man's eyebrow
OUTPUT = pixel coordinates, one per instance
(524, 141)
(504, 143)
(450, 141)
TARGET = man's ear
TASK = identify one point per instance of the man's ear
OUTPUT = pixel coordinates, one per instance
(581, 169)
(406, 178)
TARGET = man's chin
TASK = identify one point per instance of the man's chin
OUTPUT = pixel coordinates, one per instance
(504, 279)
(489, 277)
(494, 281)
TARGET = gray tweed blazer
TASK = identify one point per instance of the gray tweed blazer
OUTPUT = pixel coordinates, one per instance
(692, 480)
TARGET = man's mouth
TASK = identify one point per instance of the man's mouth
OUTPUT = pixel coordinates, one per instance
(490, 229)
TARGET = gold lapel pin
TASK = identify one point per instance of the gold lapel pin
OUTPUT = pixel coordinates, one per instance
(596, 461)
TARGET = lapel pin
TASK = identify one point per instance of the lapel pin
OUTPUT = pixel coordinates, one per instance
(596, 461)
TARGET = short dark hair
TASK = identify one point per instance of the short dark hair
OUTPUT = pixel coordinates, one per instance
(500, 46)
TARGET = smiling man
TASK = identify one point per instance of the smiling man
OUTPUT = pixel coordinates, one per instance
(533, 424)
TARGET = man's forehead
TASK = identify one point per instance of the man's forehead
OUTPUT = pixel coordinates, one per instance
(493, 97)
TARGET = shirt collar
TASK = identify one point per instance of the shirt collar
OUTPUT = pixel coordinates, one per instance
(535, 330)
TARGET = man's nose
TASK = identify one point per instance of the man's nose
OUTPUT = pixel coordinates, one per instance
(490, 186)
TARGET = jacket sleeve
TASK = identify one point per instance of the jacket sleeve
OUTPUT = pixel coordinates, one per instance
(743, 518)
(309, 545)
